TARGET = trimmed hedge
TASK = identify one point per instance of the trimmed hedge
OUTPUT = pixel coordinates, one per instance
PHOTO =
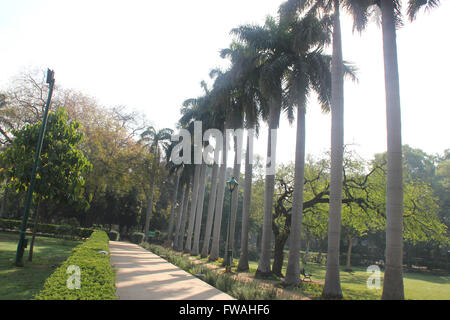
(97, 278)
(54, 229)
(137, 237)
(113, 235)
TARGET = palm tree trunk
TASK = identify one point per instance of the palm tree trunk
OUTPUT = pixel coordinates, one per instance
(172, 210)
(36, 219)
(179, 218)
(293, 267)
(188, 245)
(198, 216)
(393, 276)
(348, 266)
(264, 260)
(149, 209)
(332, 287)
(184, 218)
(235, 193)
(243, 259)
(211, 206)
(214, 254)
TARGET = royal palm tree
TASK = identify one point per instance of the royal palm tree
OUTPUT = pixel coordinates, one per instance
(246, 76)
(154, 140)
(390, 19)
(310, 70)
(221, 104)
(358, 9)
(269, 42)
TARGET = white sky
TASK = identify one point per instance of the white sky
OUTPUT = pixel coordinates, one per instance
(152, 55)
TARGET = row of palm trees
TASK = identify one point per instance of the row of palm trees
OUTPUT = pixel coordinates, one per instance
(274, 68)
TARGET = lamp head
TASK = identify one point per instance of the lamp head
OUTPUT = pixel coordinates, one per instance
(232, 183)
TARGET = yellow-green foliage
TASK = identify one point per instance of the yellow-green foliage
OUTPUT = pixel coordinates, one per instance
(97, 276)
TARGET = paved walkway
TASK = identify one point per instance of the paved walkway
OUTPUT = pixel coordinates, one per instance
(142, 275)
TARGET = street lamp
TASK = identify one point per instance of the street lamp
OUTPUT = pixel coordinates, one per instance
(232, 183)
(22, 241)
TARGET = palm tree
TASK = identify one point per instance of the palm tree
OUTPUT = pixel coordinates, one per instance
(199, 211)
(310, 70)
(268, 42)
(221, 106)
(154, 140)
(184, 215)
(190, 230)
(210, 213)
(246, 76)
(358, 9)
(390, 19)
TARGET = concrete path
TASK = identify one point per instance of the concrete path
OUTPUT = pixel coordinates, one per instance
(142, 275)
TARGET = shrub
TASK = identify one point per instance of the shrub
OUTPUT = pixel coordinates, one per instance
(10, 224)
(137, 237)
(64, 230)
(50, 229)
(113, 235)
(97, 276)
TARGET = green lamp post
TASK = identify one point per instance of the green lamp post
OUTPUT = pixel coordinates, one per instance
(232, 183)
(22, 241)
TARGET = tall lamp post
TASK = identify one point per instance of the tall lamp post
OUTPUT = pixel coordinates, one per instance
(232, 183)
(22, 241)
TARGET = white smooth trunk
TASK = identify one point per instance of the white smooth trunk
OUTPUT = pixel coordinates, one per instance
(211, 206)
(243, 259)
(184, 218)
(179, 218)
(199, 212)
(332, 286)
(264, 260)
(293, 267)
(214, 255)
(393, 275)
(235, 193)
(188, 245)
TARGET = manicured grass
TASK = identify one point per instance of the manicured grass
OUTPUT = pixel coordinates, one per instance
(418, 286)
(23, 283)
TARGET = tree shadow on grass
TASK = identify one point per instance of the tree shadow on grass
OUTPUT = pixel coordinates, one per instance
(22, 283)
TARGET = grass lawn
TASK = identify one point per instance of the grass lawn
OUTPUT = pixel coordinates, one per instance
(24, 283)
(418, 286)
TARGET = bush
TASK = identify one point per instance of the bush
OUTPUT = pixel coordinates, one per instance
(10, 224)
(97, 276)
(62, 231)
(113, 235)
(137, 237)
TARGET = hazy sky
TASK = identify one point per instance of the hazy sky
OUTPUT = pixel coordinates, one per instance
(152, 55)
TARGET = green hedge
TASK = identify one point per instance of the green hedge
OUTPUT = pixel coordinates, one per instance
(113, 235)
(137, 237)
(54, 229)
(97, 278)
